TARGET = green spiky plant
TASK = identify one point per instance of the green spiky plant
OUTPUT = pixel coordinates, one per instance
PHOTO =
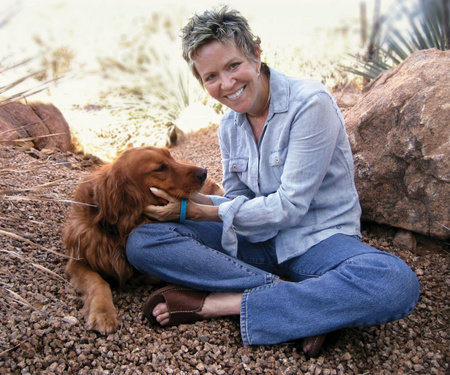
(391, 43)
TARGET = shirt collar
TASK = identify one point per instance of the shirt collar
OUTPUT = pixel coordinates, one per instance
(279, 97)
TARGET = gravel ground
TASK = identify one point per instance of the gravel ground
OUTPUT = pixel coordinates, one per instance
(42, 329)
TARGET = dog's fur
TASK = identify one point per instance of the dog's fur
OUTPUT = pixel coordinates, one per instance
(109, 204)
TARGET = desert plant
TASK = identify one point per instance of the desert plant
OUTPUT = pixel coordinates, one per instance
(391, 43)
(19, 72)
(6, 90)
(150, 67)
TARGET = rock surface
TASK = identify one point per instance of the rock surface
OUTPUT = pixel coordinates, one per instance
(39, 123)
(399, 131)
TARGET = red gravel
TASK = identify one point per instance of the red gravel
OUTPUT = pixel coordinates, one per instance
(42, 329)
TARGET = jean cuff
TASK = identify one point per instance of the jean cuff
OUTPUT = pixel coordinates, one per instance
(245, 334)
(244, 321)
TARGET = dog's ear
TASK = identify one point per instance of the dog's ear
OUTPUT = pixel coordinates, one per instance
(110, 194)
(106, 196)
(118, 199)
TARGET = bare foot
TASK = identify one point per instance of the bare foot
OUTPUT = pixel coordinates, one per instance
(216, 304)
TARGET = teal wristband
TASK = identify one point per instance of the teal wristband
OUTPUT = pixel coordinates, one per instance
(183, 210)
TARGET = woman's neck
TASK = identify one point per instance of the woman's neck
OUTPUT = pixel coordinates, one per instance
(266, 98)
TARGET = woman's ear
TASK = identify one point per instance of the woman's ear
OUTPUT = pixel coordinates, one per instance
(257, 52)
(257, 57)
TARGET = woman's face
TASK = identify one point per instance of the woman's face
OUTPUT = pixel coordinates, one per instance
(229, 76)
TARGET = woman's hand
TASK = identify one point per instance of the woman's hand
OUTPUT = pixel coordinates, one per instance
(199, 208)
(169, 212)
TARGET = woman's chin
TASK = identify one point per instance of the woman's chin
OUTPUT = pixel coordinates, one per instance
(236, 107)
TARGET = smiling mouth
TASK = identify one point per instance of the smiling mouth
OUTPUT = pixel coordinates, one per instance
(236, 94)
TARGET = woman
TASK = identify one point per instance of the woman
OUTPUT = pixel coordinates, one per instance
(281, 248)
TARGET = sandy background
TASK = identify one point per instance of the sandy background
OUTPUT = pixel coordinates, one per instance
(308, 38)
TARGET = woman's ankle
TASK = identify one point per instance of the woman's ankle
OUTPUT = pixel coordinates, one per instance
(221, 304)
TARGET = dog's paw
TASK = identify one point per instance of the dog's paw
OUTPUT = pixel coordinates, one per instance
(103, 322)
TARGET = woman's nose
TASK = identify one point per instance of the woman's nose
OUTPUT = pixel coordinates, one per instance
(227, 81)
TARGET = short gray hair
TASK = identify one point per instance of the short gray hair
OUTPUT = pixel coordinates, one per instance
(221, 24)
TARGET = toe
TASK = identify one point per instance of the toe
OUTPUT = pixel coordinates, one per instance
(161, 313)
(160, 308)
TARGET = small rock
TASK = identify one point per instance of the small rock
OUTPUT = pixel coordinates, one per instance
(418, 368)
(419, 272)
(70, 320)
(347, 356)
(200, 367)
(405, 240)
(245, 359)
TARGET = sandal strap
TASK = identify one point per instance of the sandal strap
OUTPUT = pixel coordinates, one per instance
(183, 303)
(181, 300)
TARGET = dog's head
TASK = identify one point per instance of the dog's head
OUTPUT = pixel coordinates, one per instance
(122, 189)
(154, 167)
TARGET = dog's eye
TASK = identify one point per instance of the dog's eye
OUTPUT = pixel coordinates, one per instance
(161, 168)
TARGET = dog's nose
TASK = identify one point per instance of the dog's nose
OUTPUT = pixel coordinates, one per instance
(201, 174)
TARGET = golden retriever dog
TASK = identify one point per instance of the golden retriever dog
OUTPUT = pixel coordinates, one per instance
(108, 205)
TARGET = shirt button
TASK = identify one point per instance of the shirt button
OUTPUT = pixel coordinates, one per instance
(277, 160)
(234, 166)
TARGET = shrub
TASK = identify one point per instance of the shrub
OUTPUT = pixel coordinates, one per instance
(427, 26)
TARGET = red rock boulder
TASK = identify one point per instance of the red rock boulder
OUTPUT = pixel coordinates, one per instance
(399, 132)
(42, 124)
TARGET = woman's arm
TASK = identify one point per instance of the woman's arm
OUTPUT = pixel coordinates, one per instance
(199, 208)
(202, 212)
(200, 198)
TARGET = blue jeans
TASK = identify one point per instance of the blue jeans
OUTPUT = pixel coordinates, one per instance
(340, 282)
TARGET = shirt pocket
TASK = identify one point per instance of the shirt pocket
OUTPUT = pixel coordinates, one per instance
(239, 168)
(238, 165)
(276, 162)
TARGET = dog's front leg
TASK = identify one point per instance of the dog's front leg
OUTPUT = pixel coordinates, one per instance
(98, 309)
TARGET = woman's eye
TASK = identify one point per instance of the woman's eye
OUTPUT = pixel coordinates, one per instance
(210, 77)
(161, 168)
(234, 66)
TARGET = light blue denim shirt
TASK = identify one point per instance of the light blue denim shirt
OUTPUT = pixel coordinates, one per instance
(297, 184)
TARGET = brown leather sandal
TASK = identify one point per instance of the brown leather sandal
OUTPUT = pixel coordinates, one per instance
(313, 344)
(183, 304)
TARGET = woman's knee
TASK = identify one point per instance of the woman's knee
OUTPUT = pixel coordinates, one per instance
(134, 246)
(142, 239)
(392, 287)
(404, 288)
